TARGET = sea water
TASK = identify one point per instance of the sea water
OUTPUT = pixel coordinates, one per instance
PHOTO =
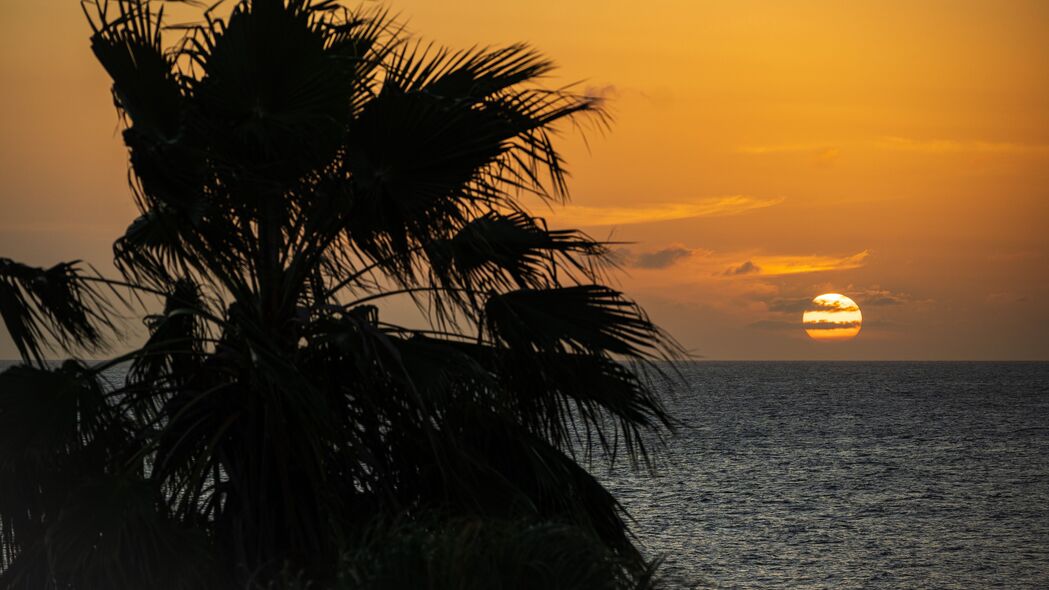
(850, 475)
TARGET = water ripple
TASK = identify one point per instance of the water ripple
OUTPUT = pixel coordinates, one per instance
(851, 475)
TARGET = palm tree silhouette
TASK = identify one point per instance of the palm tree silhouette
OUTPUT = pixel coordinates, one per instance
(295, 163)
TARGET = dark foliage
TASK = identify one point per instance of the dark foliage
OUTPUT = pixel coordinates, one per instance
(296, 162)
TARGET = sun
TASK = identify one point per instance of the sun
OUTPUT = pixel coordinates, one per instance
(832, 317)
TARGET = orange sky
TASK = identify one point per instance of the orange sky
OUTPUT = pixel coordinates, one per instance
(763, 153)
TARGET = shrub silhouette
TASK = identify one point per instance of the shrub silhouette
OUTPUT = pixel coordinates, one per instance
(296, 162)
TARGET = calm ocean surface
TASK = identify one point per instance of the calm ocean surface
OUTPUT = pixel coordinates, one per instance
(851, 475)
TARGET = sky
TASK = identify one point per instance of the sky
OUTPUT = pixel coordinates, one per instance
(762, 153)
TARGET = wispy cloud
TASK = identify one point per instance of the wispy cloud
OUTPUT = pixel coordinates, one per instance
(784, 148)
(587, 216)
(789, 265)
(792, 306)
(825, 325)
(697, 264)
(865, 297)
(878, 297)
(944, 146)
(821, 155)
(662, 258)
(827, 153)
(746, 268)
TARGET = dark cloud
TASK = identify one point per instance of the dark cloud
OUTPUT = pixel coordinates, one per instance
(782, 326)
(831, 325)
(746, 268)
(790, 305)
(661, 258)
(877, 297)
(807, 304)
(834, 305)
(883, 301)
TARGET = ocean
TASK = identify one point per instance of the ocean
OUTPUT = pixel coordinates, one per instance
(849, 475)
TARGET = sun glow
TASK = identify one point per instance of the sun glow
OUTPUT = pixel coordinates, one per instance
(832, 317)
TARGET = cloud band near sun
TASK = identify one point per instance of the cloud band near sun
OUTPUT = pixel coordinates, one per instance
(788, 265)
(736, 266)
(824, 325)
(590, 216)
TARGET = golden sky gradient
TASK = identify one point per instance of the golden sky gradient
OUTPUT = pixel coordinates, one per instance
(763, 152)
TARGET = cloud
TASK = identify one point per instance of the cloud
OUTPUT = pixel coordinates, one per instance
(1005, 298)
(878, 297)
(824, 325)
(870, 297)
(821, 155)
(789, 265)
(788, 148)
(746, 268)
(790, 305)
(587, 216)
(944, 146)
(661, 258)
(883, 301)
(833, 305)
(825, 154)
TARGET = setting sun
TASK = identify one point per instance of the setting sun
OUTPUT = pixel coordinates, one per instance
(832, 317)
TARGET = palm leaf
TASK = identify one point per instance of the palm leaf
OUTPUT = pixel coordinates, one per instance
(448, 137)
(580, 401)
(56, 302)
(145, 83)
(55, 429)
(465, 75)
(113, 532)
(273, 97)
(505, 471)
(583, 319)
(498, 252)
(477, 554)
(176, 340)
(413, 159)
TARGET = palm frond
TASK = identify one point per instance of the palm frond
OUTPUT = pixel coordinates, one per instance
(477, 554)
(145, 83)
(56, 428)
(582, 319)
(413, 159)
(583, 401)
(176, 340)
(499, 251)
(505, 471)
(112, 532)
(151, 245)
(273, 98)
(55, 302)
(471, 75)
(449, 137)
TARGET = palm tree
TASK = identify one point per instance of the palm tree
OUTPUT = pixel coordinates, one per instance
(296, 163)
